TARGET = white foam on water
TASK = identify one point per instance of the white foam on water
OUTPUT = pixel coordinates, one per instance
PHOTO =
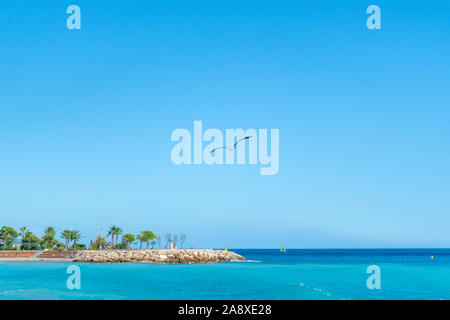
(323, 291)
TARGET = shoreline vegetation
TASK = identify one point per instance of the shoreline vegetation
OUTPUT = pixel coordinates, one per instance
(25, 246)
(11, 239)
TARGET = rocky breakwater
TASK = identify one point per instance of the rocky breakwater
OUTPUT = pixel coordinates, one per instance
(158, 256)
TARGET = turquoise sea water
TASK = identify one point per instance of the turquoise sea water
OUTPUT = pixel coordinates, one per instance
(296, 274)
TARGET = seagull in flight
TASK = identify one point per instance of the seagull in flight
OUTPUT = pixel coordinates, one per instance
(234, 147)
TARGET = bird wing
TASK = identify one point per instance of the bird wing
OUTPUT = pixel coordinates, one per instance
(234, 147)
(224, 147)
(217, 149)
(245, 138)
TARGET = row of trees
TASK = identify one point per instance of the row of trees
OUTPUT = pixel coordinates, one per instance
(29, 241)
(145, 237)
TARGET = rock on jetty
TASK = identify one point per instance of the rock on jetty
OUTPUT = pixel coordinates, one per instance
(158, 256)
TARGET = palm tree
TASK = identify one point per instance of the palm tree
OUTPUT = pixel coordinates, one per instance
(48, 239)
(50, 230)
(119, 231)
(112, 233)
(66, 235)
(75, 236)
(23, 232)
(31, 240)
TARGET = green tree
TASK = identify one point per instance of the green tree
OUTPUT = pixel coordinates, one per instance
(100, 243)
(32, 242)
(140, 237)
(48, 239)
(23, 230)
(59, 245)
(113, 231)
(75, 236)
(8, 235)
(127, 240)
(66, 234)
(147, 236)
(81, 246)
(119, 231)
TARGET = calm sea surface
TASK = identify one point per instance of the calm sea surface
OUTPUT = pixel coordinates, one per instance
(296, 274)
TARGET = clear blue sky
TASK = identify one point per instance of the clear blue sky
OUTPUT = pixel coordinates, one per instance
(86, 118)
